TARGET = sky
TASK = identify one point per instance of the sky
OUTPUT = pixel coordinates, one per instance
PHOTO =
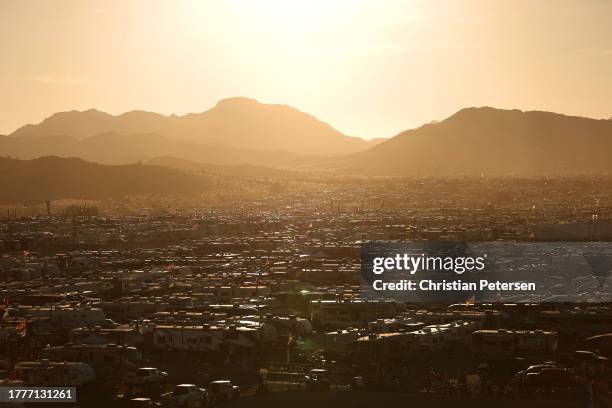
(370, 68)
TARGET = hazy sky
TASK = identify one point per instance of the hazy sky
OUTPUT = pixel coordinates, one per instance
(369, 68)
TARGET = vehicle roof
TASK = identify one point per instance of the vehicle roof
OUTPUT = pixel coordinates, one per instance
(540, 365)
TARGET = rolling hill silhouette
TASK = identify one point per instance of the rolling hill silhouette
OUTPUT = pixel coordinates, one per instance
(243, 171)
(51, 178)
(113, 148)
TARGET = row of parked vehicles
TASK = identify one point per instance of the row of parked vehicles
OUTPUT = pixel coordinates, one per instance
(189, 396)
(182, 395)
(553, 377)
(314, 379)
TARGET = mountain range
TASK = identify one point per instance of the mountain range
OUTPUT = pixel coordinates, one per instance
(238, 123)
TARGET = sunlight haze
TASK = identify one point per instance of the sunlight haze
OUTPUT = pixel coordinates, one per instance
(369, 68)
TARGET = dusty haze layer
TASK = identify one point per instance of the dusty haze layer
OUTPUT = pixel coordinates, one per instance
(370, 68)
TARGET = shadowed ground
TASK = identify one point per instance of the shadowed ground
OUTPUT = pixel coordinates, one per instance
(366, 399)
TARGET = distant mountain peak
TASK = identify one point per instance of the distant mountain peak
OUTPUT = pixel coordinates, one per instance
(238, 100)
(481, 112)
(91, 112)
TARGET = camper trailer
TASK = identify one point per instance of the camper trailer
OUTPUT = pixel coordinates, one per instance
(47, 373)
(65, 318)
(504, 342)
(128, 336)
(107, 360)
(203, 338)
(332, 313)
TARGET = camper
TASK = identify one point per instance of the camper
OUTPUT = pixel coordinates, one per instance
(107, 360)
(204, 338)
(47, 373)
(284, 324)
(332, 313)
(65, 318)
(128, 336)
(503, 342)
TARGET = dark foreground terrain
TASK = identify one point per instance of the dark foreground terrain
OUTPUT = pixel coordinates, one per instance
(366, 399)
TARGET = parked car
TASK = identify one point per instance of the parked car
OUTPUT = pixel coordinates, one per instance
(358, 383)
(186, 395)
(317, 379)
(521, 375)
(223, 390)
(283, 381)
(142, 403)
(146, 376)
(585, 355)
(549, 377)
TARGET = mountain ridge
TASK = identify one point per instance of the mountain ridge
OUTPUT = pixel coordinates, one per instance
(238, 122)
